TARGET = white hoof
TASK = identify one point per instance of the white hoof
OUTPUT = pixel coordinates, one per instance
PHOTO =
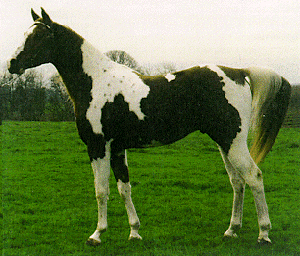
(264, 241)
(93, 242)
(134, 235)
(227, 238)
(94, 239)
(230, 234)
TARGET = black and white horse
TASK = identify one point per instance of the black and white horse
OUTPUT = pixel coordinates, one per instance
(116, 108)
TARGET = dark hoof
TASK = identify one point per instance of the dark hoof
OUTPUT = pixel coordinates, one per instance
(227, 238)
(92, 242)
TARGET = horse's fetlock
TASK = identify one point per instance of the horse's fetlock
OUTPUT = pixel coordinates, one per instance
(236, 227)
(266, 227)
(102, 229)
(135, 225)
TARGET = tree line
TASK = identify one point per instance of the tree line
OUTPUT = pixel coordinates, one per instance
(26, 99)
(292, 118)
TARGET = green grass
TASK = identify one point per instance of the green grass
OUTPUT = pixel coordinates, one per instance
(181, 192)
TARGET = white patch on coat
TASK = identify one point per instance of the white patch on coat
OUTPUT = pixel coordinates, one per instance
(170, 77)
(101, 169)
(109, 80)
(125, 192)
(96, 236)
(239, 96)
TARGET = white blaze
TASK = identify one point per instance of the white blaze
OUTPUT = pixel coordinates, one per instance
(21, 48)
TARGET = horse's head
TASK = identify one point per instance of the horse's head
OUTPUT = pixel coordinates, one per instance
(38, 46)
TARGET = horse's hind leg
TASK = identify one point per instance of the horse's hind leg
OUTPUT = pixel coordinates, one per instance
(120, 169)
(238, 185)
(242, 162)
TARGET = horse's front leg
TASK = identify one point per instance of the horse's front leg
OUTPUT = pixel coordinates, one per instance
(101, 169)
(120, 169)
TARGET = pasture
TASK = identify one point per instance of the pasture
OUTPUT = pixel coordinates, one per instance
(181, 192)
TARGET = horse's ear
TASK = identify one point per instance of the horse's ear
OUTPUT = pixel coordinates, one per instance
(46, 18)
(34, 15)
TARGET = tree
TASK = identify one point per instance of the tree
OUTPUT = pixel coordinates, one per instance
(28, 98)
(158, 69)
(124, 58)
(292, 118)
(59, 107)
(5, 96)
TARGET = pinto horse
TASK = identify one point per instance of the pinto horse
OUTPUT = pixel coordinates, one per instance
(117, 108)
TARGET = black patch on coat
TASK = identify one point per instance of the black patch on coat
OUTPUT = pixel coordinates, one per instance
(236, 75)
(68, 60)
(194, 100)
(119, 167)
(121, 125)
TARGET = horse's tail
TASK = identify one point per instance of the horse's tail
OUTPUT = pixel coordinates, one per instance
(270, 99)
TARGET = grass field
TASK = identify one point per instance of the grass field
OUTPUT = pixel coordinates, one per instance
(181, 192)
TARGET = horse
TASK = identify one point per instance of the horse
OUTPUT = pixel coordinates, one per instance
(116, 109)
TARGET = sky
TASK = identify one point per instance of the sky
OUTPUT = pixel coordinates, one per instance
(237, 33)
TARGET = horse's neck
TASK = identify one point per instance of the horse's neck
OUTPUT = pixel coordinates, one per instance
(75, 61)
(93, 60)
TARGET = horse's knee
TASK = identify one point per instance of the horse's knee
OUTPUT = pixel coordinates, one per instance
(124, 189)
(102, 196)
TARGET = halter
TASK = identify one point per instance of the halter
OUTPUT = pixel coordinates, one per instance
(45, 25)
(41, 23)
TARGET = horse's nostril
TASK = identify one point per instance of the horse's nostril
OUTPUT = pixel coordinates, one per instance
(12, 62)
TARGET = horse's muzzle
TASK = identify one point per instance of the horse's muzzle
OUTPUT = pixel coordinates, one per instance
(13, 67)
